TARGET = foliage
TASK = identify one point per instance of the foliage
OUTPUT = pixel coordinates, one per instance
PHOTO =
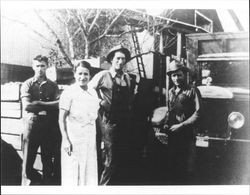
(88, 32)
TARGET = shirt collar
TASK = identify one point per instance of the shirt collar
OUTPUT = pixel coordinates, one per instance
(182, 88)
(35, 79)
(113, 73)
(77, 86)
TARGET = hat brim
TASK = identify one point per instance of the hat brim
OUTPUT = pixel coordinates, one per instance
(185, 69)
(123, 50)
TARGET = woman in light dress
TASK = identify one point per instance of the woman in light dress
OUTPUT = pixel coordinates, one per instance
(78, 108)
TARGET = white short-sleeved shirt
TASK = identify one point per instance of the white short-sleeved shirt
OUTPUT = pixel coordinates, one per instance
(83, 107)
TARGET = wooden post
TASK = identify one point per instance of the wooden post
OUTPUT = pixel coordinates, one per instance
(179, 46)
(161, 76)
(161, 43)
(167, 78)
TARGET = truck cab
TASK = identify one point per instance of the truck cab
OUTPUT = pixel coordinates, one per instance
(225, 92)
(221, 61)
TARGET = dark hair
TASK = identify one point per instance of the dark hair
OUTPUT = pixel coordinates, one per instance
(41, 58)
(83, 64)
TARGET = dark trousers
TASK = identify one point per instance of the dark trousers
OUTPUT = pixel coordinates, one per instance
(107, 133)
(180, 159)
(38, 132)
(115, 136)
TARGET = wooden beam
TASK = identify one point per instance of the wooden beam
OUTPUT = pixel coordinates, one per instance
(167, 79)
(142, 17)
(161, 45)
(179, 45)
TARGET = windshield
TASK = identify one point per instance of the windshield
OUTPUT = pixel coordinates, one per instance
(225, 73)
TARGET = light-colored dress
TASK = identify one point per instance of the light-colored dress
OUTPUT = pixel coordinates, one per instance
(81, 167)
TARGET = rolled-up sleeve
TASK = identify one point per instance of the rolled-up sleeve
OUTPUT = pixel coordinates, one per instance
(96, 80)
(25, 90)
(198, 110)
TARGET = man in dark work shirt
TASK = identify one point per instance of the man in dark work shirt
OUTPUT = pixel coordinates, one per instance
(40, 108)
(185, 109)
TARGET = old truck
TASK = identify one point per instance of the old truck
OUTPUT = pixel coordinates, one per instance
(221, 61)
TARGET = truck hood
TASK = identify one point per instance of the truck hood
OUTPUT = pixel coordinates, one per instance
(217, 92)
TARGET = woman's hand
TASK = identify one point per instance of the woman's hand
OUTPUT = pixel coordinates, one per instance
(67, 146)
(176, 127)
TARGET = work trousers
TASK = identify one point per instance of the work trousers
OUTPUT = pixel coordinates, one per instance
(181, 159)
(115, 151)
(38, 132)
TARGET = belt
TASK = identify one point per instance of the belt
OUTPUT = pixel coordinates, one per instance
(42, 113)
(31, 114)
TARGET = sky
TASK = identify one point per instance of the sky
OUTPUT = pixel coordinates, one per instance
(17, 9)
(22, 11)
(227, 24)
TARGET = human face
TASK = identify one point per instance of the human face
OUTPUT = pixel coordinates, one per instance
(39, 68)
(82, 76)
(178, 77)
(119, 60)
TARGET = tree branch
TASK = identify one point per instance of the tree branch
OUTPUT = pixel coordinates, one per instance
(70, 37)
(57, 17)
(76, 32)
(59, 43)
(83, 22)
(64, 21)
(83, 26)
(46, 24)
(123, 33)
(94, 21)
(89, 13)
(118, 36)
(107, 29)
(112, 23)
(141, 54)
(68, 16)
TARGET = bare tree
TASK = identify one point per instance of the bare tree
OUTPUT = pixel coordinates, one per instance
(85, 28)
(85, 33)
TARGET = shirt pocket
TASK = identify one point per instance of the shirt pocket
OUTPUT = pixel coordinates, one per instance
(183, 100)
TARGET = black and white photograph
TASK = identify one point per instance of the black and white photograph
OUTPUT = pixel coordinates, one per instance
(121, 97)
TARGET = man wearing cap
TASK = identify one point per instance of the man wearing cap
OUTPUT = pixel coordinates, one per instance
(40, 108)
(113, 87)
(185, 109)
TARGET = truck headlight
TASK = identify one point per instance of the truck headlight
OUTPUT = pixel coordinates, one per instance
(236, 120)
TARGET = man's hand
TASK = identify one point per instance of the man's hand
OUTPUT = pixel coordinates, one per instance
(162, 137)
(31, 106)
(176, 127)
(105, 105)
